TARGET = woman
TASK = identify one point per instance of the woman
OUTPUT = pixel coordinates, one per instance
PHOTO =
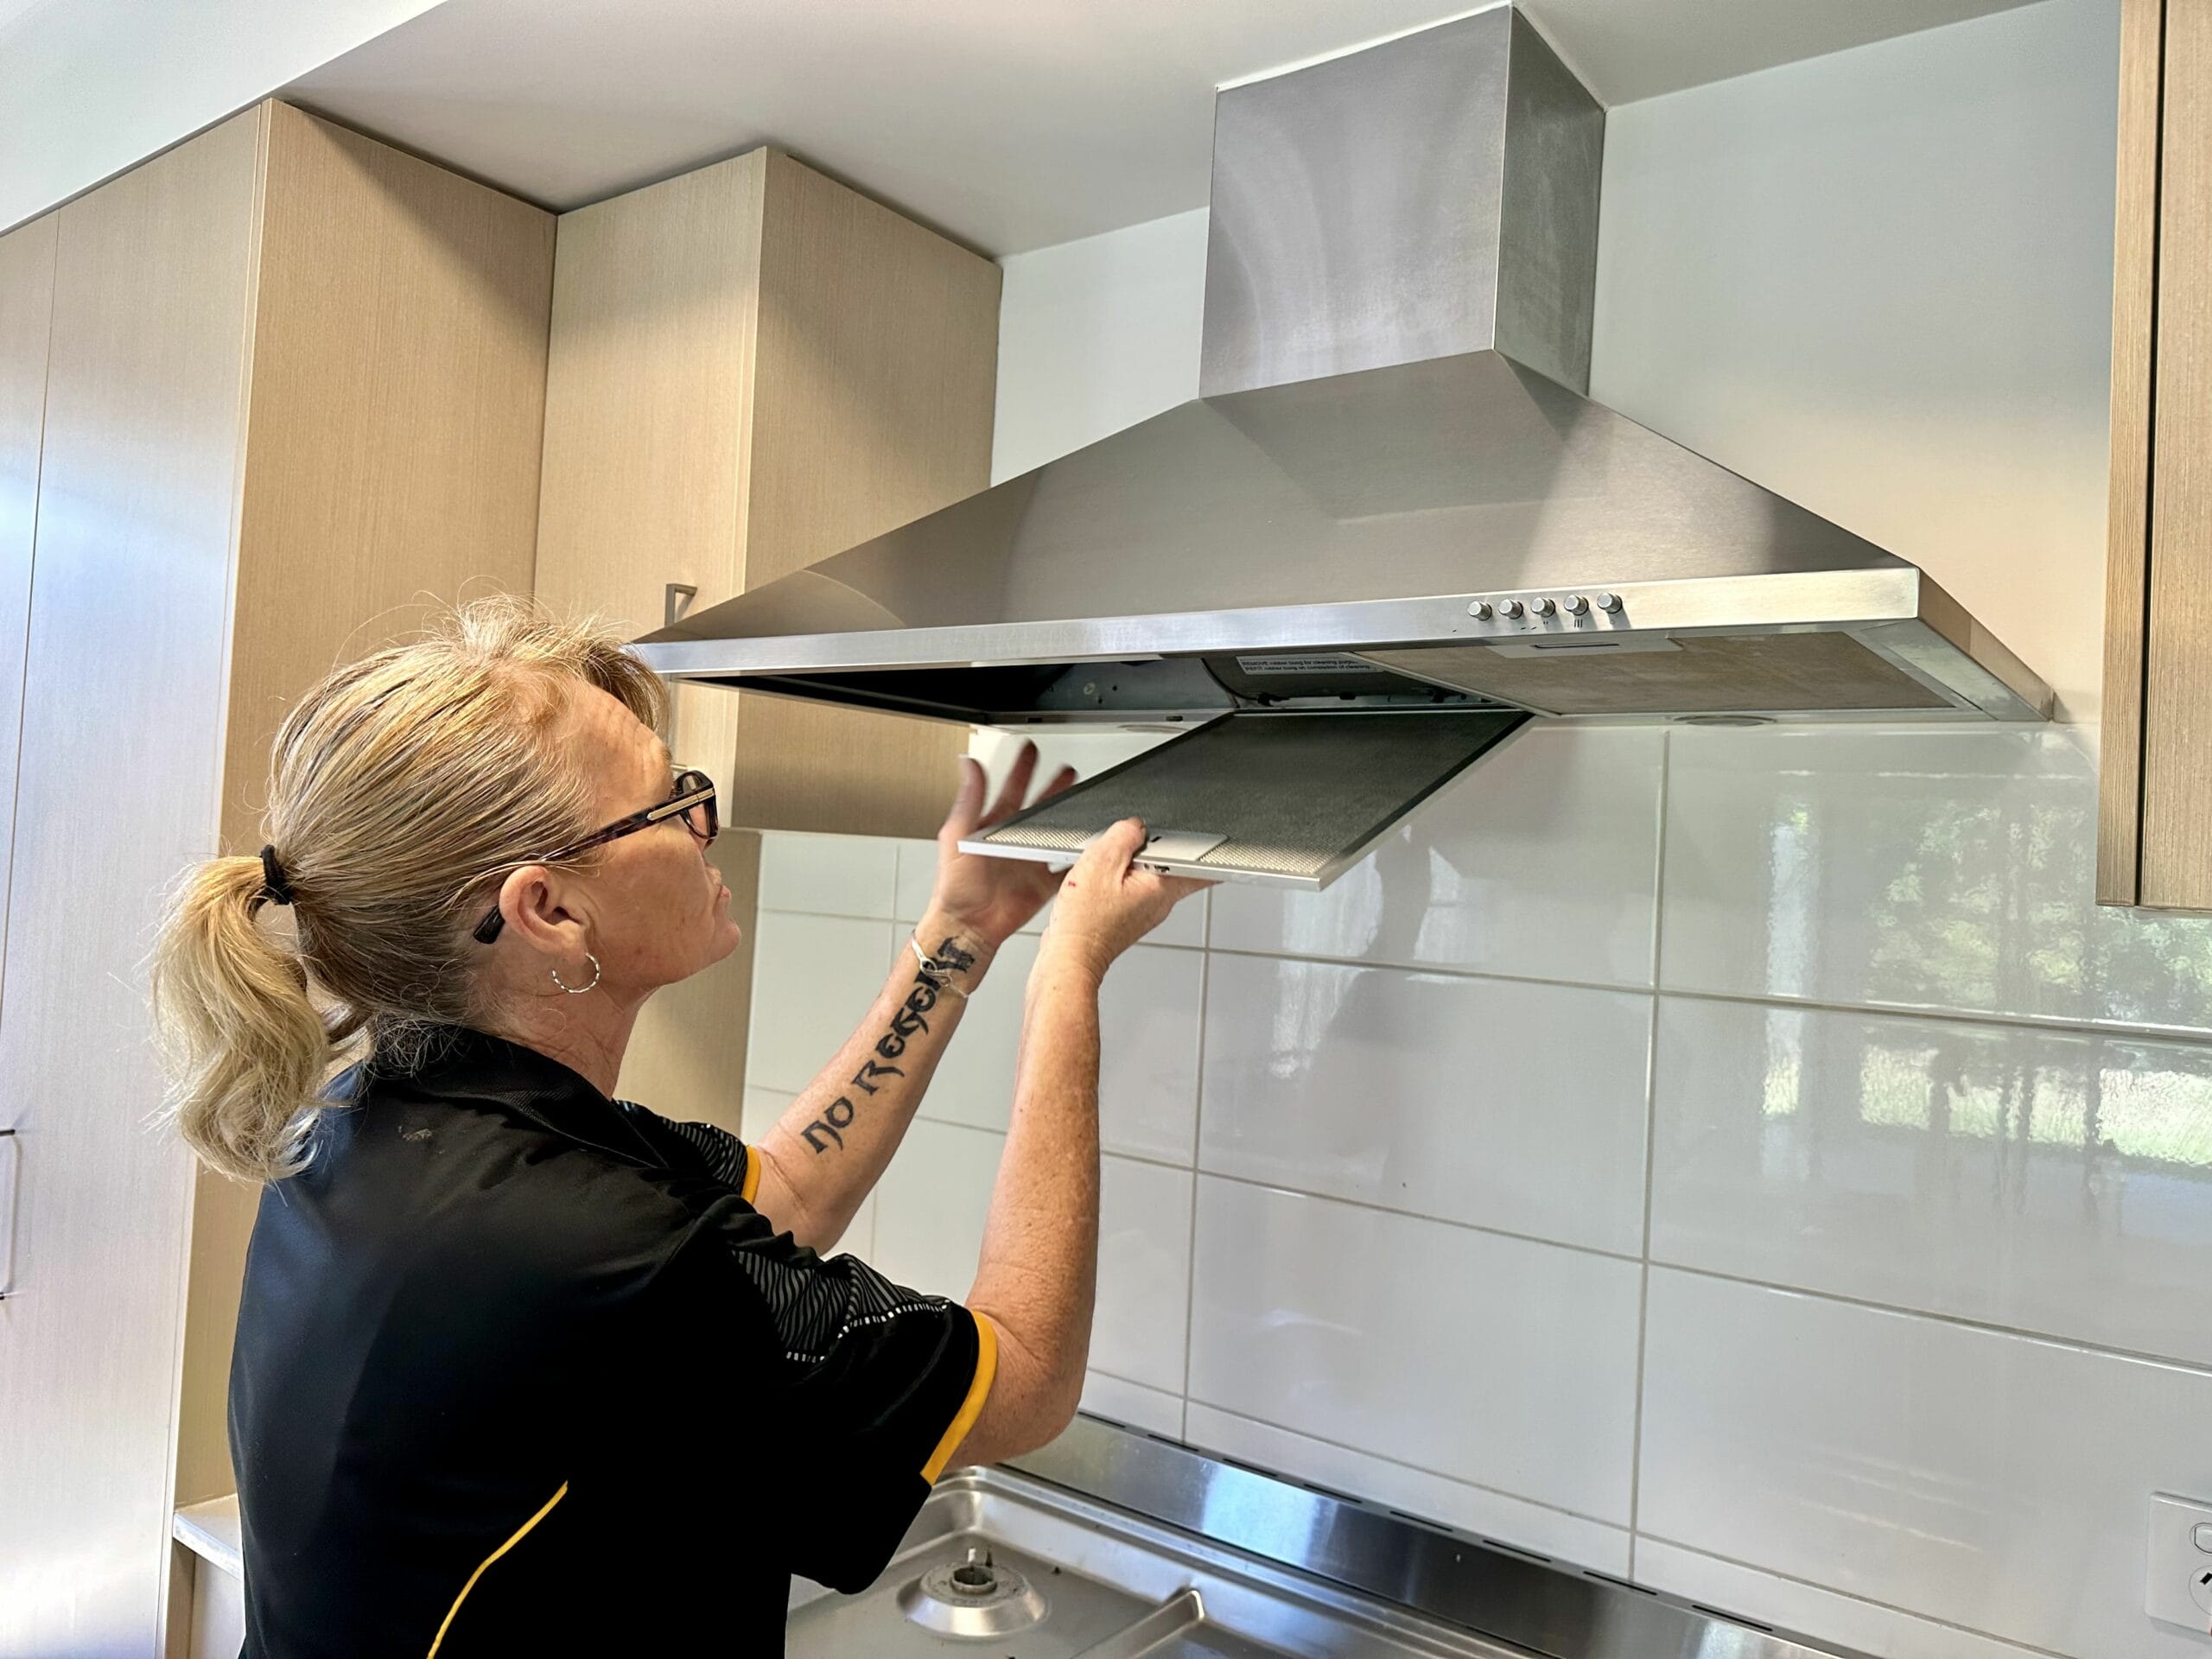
(522, 1368)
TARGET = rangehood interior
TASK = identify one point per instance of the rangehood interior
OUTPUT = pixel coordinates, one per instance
(1393, 500)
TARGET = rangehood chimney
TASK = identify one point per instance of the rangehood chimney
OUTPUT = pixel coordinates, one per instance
(1391, 528)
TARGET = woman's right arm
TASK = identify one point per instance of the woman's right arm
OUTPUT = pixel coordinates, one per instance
(1038, 1275)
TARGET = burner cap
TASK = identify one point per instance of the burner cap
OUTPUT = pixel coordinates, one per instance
(973, 1597)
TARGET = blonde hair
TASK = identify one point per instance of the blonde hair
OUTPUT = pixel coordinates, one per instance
(402, 789)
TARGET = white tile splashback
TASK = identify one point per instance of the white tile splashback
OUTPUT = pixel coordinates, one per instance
(1989, 1480)
(2048, 1180)
(1902, 1062)
(1791, 1604)
(1939, 869)
(1482, 877)
(1414, 1489)
(813, 977)
(1432, 1093)
(830, 875)
(1491, 1360)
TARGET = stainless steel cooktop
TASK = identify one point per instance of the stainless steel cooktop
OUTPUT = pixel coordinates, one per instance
(1112, 1544)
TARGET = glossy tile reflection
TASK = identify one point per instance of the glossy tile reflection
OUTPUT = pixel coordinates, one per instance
(1994, 1481)
(1431, 1093)
(1493, 1360)
(1412, 1489)
(825, 971)
(1539, 860)
(1144, 1272)
(1921, 868)
(2047, 1180)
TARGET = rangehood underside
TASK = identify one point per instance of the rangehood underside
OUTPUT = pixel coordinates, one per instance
(1452, 532)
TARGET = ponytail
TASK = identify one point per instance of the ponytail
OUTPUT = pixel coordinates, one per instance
(402, 788)
(244, 1044)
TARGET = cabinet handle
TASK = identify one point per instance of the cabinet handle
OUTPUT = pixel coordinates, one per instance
(15, 1199)
(675, 601)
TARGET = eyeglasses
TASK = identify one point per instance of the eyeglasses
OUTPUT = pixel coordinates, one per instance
(693, 801)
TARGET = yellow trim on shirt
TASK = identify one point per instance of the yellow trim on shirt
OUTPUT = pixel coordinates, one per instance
(987, 1367)
(520, 1533)
(750, 1182)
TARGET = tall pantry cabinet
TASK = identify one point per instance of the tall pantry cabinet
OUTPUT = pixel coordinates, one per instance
(259, 398)
(754, 367)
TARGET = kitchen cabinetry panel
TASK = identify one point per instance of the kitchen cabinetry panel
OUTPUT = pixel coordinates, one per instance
(399, 360)
(117, 790)
(291, 387)
(2155, 829)
(26, 323)
(754, 367)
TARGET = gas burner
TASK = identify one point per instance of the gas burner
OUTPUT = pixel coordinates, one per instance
(974, 1598)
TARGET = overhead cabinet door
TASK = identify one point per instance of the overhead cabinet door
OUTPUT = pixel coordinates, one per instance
(2155, 831)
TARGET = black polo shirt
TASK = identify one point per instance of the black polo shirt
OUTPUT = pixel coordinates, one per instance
(520, 1370)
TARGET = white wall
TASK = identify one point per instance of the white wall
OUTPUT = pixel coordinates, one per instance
(1881, 283)
(1095, 335)
(1743, 1160)
(90, 87)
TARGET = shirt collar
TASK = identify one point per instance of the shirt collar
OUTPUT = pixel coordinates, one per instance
(459, 1063)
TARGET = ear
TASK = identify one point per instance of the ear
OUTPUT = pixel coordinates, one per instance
(533, 901)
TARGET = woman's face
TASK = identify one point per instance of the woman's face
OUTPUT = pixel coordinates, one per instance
(656, 910)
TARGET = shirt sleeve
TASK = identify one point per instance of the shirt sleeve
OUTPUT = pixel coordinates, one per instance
(863, 1394)
(703, 1148)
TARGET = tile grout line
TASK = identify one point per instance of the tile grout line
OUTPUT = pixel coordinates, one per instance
(1956, 1321)
(1902, 1612)
(1198, 1129)
(2179, 1036)
(2108, 1350)
(1399, 1462)
(1961, 1321)
(1650, 1141)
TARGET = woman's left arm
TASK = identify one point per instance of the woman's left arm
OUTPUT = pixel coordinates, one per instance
(826, 1154)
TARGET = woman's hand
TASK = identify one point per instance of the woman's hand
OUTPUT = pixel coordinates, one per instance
(985, 901)
(1106, 905)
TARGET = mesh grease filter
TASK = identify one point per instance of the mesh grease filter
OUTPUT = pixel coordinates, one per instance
(1295, 796)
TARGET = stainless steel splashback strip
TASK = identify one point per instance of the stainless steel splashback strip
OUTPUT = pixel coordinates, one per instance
(1510, 1595)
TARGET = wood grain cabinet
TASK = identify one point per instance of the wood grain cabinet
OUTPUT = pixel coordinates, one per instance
(2155, 821)
(752, 368)
(259, 398)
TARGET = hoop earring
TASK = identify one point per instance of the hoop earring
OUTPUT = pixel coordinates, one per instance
(578, 991)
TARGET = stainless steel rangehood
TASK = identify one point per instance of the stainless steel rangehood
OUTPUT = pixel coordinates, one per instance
(1393, 499)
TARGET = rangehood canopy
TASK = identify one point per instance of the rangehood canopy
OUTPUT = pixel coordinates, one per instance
(1393, 494)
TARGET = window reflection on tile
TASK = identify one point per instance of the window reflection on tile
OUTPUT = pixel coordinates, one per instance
(1939, 869)
(1539, 860)
(2051, 1181)
(1507, 1104)
(1995, 1481)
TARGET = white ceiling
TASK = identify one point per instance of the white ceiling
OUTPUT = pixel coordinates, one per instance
(1010, 124)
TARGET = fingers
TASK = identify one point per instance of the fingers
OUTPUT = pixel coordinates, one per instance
(1015, 790)
(1110, 852)
(1061, 779)
(967, 804)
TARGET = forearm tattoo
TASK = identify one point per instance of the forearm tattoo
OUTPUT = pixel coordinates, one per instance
(912, 1020)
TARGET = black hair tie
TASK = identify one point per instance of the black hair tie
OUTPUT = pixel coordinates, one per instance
(275, 887)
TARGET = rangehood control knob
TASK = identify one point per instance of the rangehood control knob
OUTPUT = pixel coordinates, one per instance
(1479, 610)
(1510, 609)
(1610, 604)
(1577, 606)
(1543, 608)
